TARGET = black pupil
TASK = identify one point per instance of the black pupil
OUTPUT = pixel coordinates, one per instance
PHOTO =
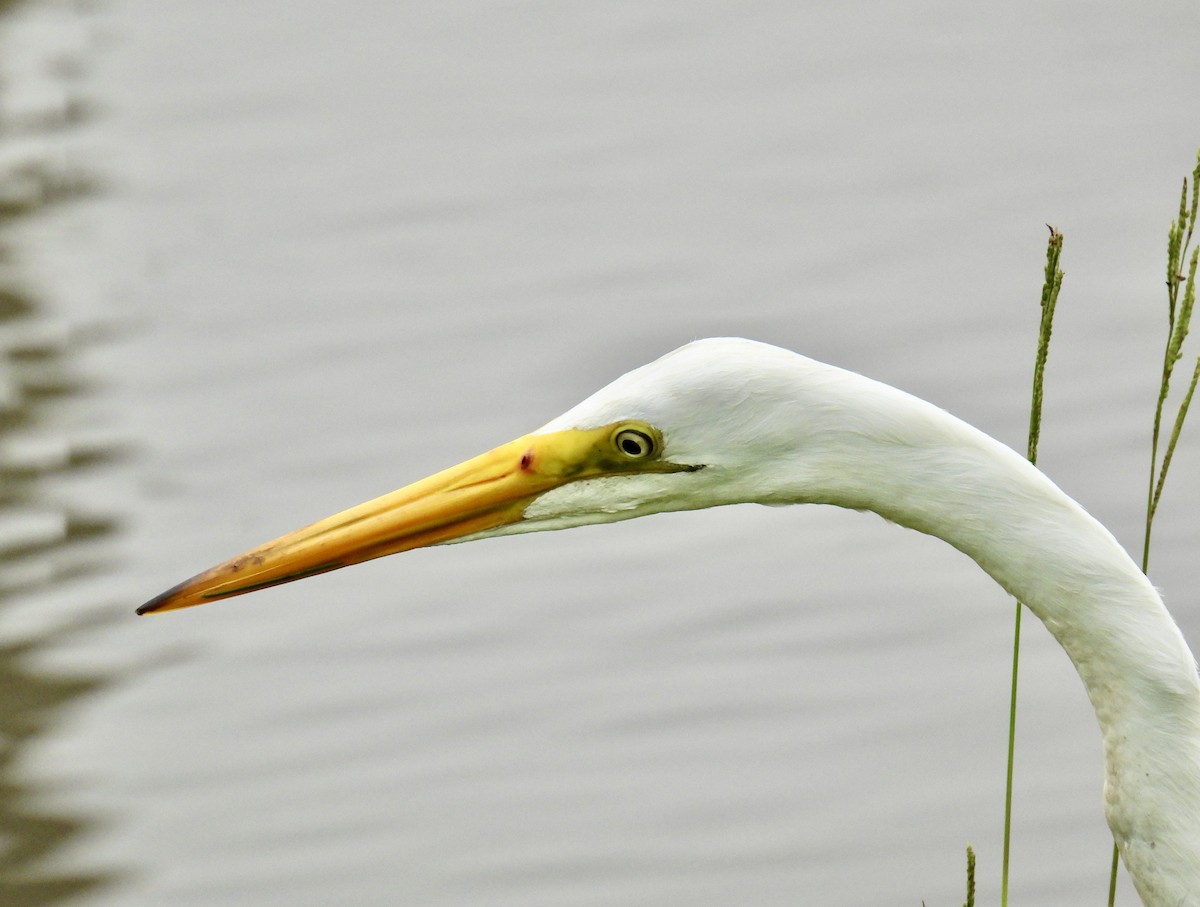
(632, 445)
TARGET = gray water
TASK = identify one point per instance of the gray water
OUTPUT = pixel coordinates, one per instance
(328, 249)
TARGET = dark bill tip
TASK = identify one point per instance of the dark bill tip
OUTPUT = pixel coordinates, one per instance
(159, 601)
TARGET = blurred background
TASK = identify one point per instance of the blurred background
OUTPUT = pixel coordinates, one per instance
(261, 261)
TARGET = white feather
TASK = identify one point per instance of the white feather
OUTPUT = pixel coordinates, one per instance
(773, 427)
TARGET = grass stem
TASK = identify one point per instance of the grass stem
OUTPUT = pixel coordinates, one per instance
(1179, 317)
(970, 902)
(1050, 288)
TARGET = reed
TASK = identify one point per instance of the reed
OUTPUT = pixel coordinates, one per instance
(970, 901)
(1050, 289)
(1181, 299)
(1179, 317)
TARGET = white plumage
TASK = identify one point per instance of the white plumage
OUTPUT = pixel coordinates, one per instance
(727, 421)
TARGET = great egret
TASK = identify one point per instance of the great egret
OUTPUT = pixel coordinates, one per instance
(724, 421)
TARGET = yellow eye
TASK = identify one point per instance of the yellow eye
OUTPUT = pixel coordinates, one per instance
(634, 443)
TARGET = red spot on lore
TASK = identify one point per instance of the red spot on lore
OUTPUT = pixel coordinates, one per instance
(526, 460)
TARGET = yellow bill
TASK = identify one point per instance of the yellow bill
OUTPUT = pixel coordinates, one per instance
(484, 493)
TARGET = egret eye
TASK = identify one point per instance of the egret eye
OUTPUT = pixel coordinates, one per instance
(634, 443)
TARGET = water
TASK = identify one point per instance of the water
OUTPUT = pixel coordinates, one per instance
(334, 250)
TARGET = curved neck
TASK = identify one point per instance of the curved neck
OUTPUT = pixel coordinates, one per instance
(946, 479)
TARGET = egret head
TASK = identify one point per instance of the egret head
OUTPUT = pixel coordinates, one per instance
(724, 414)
